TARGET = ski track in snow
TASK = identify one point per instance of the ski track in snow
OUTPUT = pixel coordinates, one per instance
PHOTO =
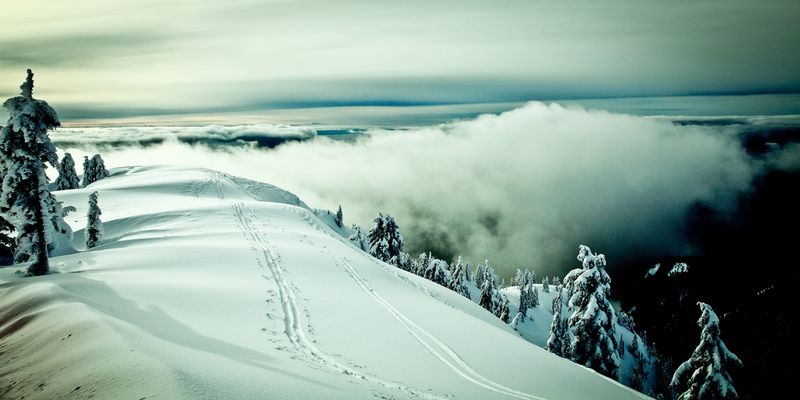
(196, 188)
(287, 292)
(312, 220)
(292, 316)
(431, 343)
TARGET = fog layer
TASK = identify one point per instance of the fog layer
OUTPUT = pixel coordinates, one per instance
(523, 188)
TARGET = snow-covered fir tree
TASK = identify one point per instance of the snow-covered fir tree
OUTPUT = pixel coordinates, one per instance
(558, 301)
(706, 374)
(592, 322)
(491, 298)
(420, 264)
(67, 176)
(487, 296)
(478, 276)
(502, 310)
(25, 147)
(339, 217)
(639, 374)
(558, 340)
(94, 226)
(359, 238)
(385, 241)
(458, 282)
(94, 169)
(516, 280)
(404, 261)
(546, 285)
(437, 271)
(528, 294)
(87, 171)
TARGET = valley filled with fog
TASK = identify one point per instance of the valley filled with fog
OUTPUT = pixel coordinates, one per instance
(521, 188)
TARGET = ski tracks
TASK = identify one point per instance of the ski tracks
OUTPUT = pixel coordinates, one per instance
(313, 222)
(217, 180)
(287, 294)
(197, 187)
(431, 343)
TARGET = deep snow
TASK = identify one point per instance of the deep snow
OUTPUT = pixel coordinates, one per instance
(207, 286)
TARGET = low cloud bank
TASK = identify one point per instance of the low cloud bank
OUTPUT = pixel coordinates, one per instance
(110, 138)
(523, 188)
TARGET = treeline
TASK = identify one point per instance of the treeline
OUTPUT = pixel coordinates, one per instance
(585, 327)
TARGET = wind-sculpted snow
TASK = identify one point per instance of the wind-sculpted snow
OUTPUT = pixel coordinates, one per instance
(210, 286)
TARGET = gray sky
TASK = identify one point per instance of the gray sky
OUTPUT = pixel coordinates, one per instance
(243, 54)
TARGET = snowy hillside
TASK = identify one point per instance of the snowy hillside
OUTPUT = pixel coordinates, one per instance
(207, 286)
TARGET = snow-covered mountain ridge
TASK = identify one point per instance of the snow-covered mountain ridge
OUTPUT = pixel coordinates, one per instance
(208, 286)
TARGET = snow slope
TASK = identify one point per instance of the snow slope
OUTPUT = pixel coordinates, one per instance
(207, 286)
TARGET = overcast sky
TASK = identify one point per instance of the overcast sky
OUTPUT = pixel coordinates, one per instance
(245, 54)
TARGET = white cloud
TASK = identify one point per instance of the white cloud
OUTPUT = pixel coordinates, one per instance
(521, 188)
(148, 135)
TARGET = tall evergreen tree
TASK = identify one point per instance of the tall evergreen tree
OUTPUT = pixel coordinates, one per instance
(94, 226)
(546, 285)
(639, 365)
(479, 275)
(88, 172)
(524, 300)
(517, 279)
(593, 320)
(705, 374)
(67, 176)
(25, 147)
(339, 217)
(528, 295)
(94, 169)
(558, 341)
(558, 302)
(437, 271)
(501, 308)
(385, 241)
(487, 296)
(458, 282)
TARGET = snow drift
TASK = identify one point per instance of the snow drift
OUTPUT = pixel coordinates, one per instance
(208, 286)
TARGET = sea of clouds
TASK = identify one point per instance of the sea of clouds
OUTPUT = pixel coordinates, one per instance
(522, 188)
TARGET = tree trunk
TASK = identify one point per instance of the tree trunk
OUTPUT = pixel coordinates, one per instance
(42, 265)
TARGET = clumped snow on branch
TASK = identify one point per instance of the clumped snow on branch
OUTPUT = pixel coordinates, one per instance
(593, 321)
(705, 374)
